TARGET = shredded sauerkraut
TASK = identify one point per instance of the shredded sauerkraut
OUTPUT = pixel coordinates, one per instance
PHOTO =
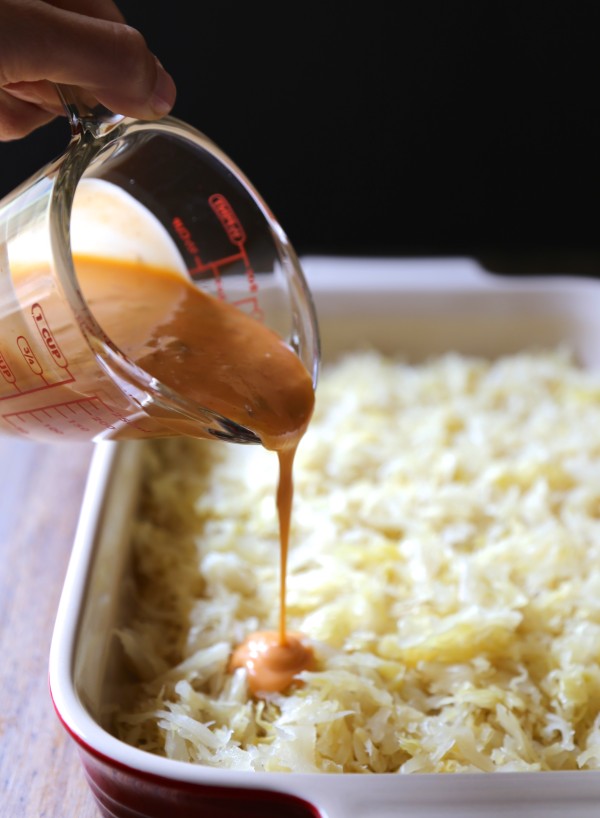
(445, 562)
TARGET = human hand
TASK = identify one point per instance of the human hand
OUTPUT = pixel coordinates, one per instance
(85, 43)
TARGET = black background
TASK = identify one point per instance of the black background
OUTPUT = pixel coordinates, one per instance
(429, 128)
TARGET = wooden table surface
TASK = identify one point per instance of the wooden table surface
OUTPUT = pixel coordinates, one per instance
(42, 488)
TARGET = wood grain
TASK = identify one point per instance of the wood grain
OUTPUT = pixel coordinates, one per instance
(40, 499)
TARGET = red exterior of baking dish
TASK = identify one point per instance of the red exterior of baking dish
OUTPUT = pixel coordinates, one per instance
(122, 792)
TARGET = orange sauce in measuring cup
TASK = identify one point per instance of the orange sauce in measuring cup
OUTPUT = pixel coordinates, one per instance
(216, 356)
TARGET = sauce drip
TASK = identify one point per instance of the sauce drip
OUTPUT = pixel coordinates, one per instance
(216, 356)
(271, 663)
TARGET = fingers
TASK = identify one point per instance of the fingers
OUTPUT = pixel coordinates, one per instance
(60, 42)
(102, 9)
(18, 117)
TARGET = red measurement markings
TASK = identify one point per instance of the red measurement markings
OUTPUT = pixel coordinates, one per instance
(226, 215)
(47, 337)
(33, 363)
(251, 307)
(87, 415)
(7, 372)
(29, 356)
(236, 235)
(20, 392)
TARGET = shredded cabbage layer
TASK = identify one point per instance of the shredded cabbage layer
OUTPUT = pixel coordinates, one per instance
(445, 563)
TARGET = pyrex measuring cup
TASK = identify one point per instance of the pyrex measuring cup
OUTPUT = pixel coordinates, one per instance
(161, 193)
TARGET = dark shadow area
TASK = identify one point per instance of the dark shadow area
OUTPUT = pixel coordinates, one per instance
(428, 128)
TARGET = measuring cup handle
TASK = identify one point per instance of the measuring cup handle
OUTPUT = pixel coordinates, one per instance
(85, 113)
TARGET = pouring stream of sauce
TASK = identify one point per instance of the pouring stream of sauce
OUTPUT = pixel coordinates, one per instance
(221, 359)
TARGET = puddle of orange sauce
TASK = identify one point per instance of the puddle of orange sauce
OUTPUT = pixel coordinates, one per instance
(272, 664)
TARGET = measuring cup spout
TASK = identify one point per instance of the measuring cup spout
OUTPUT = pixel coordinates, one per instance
(85, 113)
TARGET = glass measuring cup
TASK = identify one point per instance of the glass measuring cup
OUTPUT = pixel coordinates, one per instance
(158, 193)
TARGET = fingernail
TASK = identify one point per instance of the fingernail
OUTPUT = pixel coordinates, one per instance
(163, 96)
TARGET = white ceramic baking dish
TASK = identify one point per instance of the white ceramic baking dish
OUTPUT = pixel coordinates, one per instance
(419, 307)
